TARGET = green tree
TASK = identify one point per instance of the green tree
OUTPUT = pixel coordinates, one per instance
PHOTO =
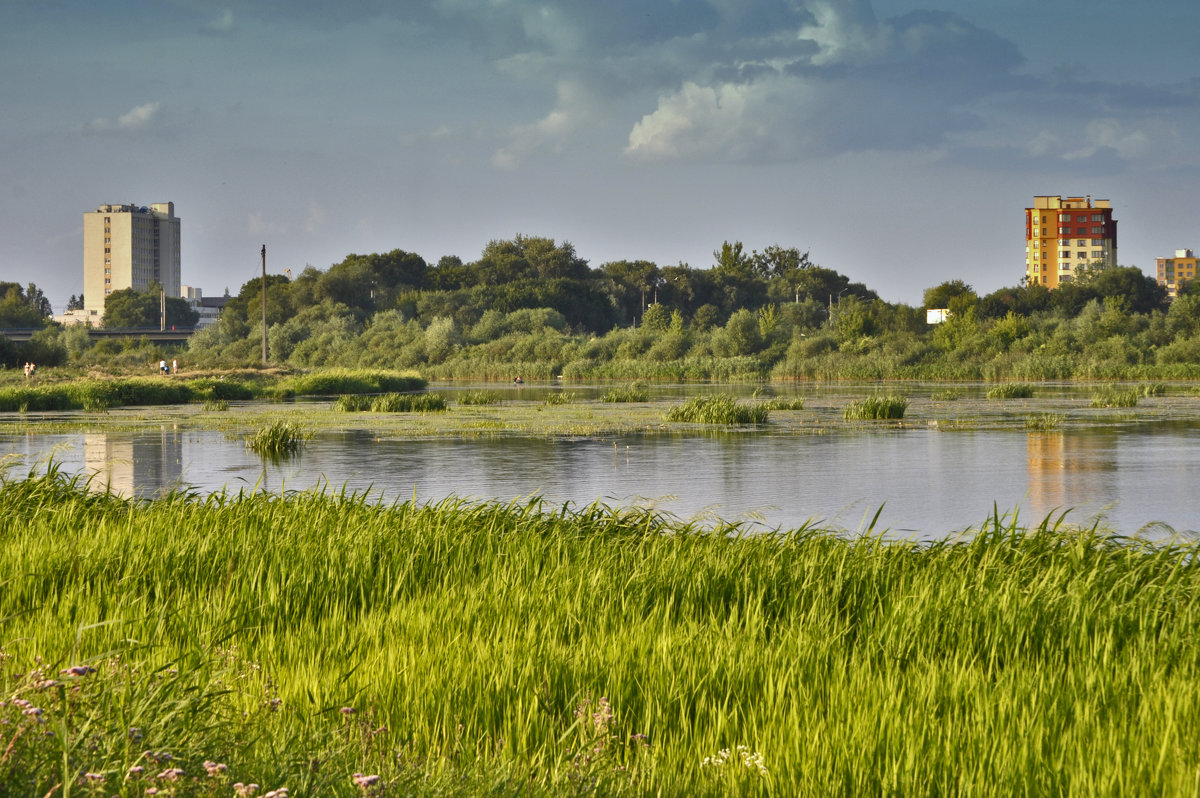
(131, 309)
(943, 294)
(23, 307)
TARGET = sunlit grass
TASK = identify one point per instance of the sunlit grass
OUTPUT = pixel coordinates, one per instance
(463, 649)
(884, 406)
(718, 410)
(1112, 396)
(279, 439)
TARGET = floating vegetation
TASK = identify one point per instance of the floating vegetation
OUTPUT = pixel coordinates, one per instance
(483, 397)
(1044, 421)
(279, 439)
(1112, 396)
(633, 392)
(883, 406)
(717, 410)
(1011, 390)
(946, 396)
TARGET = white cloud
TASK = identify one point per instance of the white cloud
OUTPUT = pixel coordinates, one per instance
(222, 23)
(137, 118)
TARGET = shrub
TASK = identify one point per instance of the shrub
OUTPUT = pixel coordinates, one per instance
(887, 406)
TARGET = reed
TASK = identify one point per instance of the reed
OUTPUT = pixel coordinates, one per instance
(279, 439)
(481, 397)
(408, 403)
(718, 410)
(1113, 396)
(1044, 421)
(516, 649)
(633, 392)
(946, 396)
(1011, 390)
(880, 407)
(561, 398)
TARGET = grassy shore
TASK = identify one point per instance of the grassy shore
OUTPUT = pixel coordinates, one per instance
(104, 392)
(462, 649)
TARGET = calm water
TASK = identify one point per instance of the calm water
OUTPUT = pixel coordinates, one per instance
(930, 483)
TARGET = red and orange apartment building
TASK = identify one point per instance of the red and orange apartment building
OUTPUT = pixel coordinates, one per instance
(1063, 235)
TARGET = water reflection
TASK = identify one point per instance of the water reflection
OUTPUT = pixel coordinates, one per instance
(928, 482)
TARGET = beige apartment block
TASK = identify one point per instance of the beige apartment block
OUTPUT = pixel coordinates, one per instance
(1172, 273)
(129, 246)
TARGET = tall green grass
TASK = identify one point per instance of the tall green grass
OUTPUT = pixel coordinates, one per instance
(1113, 396)
(718, 410)
(633, 392)
(278, 439)
(460, 649)
(883, 406)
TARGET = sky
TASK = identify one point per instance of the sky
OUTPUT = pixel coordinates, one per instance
(897, 141)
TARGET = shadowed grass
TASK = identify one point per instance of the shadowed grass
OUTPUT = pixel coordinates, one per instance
(1011, 390)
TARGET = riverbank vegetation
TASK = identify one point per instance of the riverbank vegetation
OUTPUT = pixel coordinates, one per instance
(333, 646)
(534, 307)
(102, 393)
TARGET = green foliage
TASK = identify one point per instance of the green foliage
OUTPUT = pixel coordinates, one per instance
(1011, 390)
(23, 307)
(949, 395)
(718, 410)
(561, 398)
(780, 403)
(883, 406)
(279, 439)
(128, 308)
(337, 381)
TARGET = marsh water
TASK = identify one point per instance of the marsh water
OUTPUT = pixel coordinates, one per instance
(922, 479)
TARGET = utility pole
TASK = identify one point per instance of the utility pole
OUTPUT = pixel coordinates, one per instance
(162, 310)
(264, 303)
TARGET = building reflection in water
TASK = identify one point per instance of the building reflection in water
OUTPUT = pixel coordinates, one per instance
(142, 464)
(1069, 471)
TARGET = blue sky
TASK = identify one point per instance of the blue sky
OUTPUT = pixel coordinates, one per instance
(897, 140)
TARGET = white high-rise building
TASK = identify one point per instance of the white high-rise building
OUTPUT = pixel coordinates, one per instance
(129, 246)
